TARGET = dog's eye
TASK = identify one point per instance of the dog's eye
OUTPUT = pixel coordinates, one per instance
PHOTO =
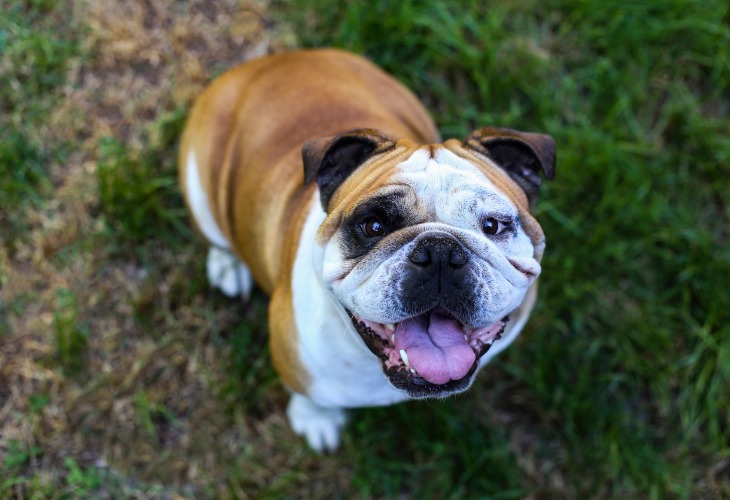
(492, 226)
(372, 227)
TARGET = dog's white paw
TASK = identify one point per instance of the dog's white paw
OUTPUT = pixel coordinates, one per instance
(228, 274)
(319, 426)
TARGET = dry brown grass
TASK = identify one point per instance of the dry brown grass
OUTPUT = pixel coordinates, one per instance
(148, 406)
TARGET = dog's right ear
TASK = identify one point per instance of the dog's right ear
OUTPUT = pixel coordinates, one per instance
(522, 155)
(331, 160)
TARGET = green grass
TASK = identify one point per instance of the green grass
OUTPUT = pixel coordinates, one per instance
(250, 372)
(624, 369)
(70, 335)
(138, 192)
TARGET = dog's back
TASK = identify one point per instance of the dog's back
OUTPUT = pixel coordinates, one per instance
(250, 125)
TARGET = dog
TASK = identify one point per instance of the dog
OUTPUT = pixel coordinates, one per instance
(397, 265)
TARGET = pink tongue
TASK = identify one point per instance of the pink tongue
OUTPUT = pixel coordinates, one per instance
(436, 347)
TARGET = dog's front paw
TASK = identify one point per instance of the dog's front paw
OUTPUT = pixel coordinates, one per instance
(228, 274)
(319, 426)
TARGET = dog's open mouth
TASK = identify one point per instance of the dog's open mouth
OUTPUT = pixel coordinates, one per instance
(430, 354)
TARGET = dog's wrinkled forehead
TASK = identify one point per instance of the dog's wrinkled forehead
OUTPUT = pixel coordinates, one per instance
(442, 180)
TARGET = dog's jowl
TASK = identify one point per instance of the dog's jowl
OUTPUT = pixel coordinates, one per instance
(397, 264)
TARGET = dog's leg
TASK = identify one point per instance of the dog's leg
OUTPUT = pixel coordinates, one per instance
(319, 426)
(225, 271)
(228, 274)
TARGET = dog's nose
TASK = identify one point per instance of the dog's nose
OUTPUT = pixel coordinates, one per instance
(439, 251)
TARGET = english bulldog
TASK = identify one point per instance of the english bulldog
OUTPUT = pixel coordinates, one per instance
(397, 265)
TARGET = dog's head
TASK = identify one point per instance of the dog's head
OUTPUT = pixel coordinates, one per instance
(429, 248)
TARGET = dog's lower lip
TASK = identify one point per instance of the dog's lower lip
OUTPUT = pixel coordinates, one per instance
(381, 341)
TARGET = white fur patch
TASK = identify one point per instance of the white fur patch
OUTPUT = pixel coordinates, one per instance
(319, 426)
(512, 330)
(228, 274)
(199, 205)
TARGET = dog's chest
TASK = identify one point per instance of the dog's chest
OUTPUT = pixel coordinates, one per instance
(342, 371)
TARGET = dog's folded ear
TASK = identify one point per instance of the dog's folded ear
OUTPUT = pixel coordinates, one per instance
(331, 160)
(522, 155)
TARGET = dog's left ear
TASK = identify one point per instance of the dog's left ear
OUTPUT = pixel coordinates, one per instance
(522, 155)
(332, 159)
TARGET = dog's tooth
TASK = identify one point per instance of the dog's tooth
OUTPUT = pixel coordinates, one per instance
(404, 356)
(392, 338)
(413, 370)
(390, 326)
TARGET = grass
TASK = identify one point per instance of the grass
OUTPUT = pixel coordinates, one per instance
(122, 374)
(138, 194)
(622, 369)
(71, 337)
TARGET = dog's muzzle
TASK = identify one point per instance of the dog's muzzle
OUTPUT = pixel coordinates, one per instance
(434, 351)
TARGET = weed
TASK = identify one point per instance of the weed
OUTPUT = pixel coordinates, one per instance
(71, 337)
(37, 402)
(18, 454)
(149, 413)
(26, 487)
(139, 196)
(250, 373)
(81, 482)
(34, 60)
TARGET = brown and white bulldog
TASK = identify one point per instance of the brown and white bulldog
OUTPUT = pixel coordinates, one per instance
(397, 265)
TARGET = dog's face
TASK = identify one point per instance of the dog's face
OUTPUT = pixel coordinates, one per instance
(429, 248)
